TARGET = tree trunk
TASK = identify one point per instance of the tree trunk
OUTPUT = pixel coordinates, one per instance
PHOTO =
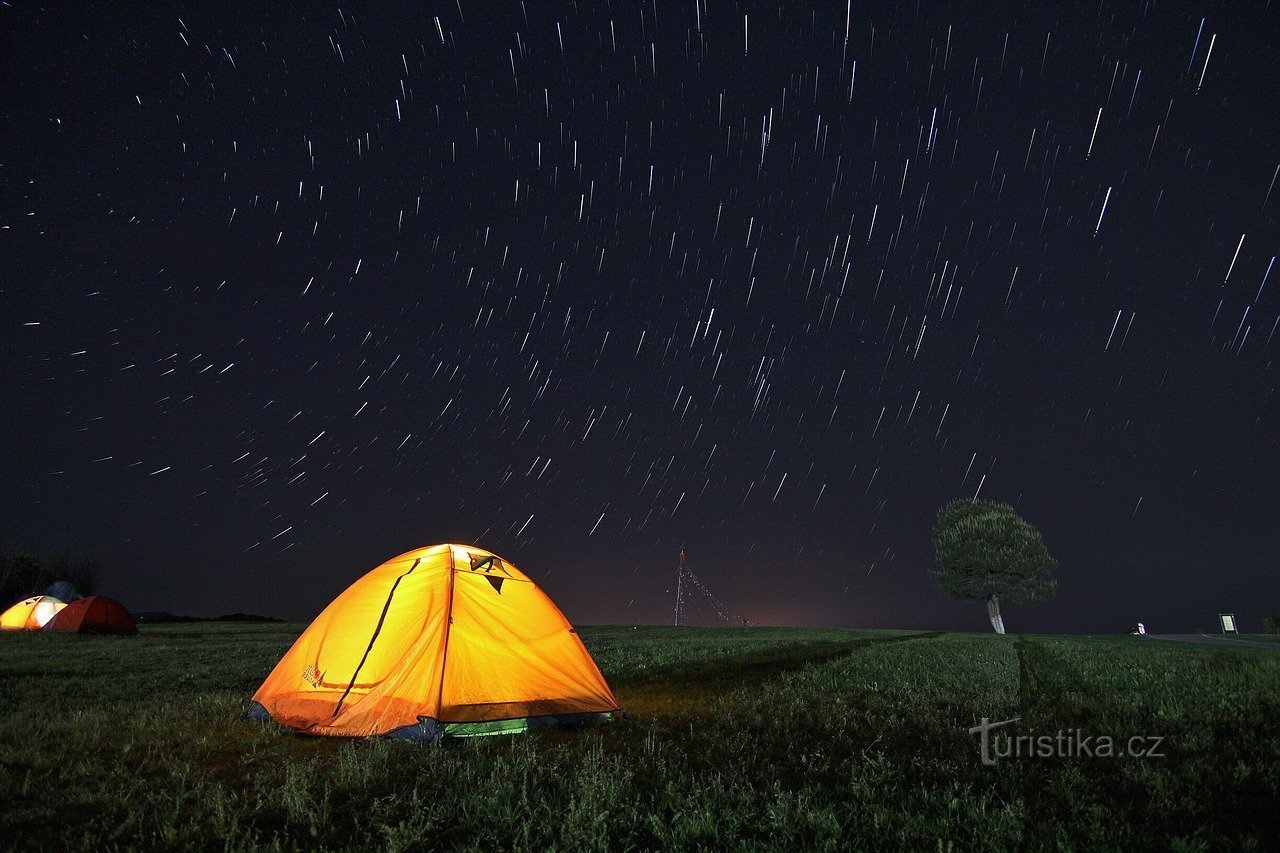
(993, 612)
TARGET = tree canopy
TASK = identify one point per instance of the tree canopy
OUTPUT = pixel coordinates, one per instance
(22, 575)
(986, 549)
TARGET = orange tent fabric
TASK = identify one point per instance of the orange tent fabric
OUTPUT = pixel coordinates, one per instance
(96, 614)
(449, 640)
(30, 614)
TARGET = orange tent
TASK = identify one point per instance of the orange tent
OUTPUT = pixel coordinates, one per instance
(446, 641)
(30, 614)
(96, 614)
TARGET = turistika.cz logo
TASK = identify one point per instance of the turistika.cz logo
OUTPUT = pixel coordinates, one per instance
(1065, 743)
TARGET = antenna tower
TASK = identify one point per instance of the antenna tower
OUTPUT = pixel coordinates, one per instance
(680, 588)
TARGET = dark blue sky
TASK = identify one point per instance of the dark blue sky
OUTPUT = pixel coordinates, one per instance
(288, 293)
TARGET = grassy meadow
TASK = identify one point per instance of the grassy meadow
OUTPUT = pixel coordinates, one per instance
(755, 737)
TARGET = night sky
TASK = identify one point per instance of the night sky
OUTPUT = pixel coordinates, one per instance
(286, 292)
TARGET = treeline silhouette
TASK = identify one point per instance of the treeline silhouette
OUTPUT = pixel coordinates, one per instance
(23, 575)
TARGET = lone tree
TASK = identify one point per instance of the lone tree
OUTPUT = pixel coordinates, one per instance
(987, 551)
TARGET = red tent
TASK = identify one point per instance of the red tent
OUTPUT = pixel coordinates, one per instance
(93, 615)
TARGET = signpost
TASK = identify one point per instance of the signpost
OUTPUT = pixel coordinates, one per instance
(1228, 623)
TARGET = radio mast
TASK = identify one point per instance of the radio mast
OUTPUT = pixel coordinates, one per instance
(680, 587)
(685, 575)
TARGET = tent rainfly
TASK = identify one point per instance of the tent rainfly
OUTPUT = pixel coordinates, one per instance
(96, 614)
(30, 614)
(446, 641)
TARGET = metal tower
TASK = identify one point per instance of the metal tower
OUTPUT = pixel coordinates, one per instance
(680, 588)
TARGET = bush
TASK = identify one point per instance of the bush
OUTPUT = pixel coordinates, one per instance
(1271, 625)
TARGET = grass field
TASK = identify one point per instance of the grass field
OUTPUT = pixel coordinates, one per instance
(753, 737)
(1259, 638)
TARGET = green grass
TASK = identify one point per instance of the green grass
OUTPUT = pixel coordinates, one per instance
(754, 737)
(1257, 638)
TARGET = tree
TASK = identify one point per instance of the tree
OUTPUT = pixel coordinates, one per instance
(987, 551)
(22, 575)
(79, 572)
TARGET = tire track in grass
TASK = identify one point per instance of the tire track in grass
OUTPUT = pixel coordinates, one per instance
(680, 689)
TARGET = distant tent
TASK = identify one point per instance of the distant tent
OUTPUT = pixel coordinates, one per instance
(63, 591)
(446, 641)
(96, 614)
(30, 614)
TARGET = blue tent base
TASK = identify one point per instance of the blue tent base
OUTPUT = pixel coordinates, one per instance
(433, 731)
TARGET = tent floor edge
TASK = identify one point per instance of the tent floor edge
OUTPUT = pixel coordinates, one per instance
(255, 711)
(426, 729)
(430, 730)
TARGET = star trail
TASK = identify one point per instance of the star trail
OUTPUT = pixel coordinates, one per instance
(288, 292)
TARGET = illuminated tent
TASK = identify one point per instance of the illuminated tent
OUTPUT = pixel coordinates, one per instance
(30, 614)
(446, 641)
(96, 614)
